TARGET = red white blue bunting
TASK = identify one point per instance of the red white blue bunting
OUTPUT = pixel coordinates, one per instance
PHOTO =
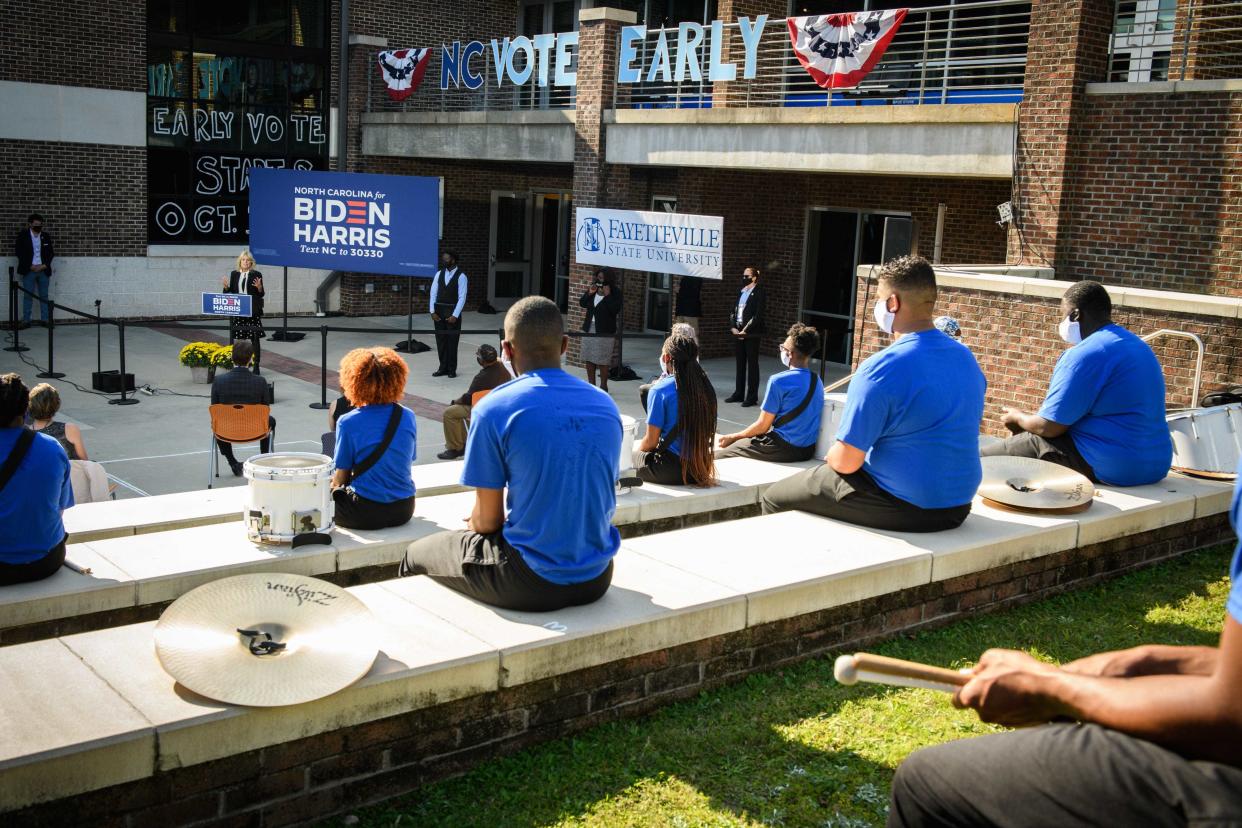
(403, 70)
(838, 50)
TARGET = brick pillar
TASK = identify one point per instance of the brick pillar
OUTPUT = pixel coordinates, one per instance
(1068, 49)
(596, 184)
(733, 94)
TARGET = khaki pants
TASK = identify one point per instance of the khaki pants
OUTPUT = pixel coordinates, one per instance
(692, 321)
(456, 417)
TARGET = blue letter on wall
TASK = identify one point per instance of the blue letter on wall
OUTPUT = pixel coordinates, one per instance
(471, 78)
(450, 65)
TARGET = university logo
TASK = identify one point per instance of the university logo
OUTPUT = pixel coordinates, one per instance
(591, 236)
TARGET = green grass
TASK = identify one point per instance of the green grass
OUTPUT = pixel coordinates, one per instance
(791, 747)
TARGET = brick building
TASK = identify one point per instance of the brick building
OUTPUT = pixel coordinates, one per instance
(1114, 136)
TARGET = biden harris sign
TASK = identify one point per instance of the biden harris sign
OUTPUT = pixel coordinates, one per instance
(345, 221)
(676, 243)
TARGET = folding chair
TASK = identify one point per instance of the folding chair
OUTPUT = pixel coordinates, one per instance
(236, 424)
(476, 396)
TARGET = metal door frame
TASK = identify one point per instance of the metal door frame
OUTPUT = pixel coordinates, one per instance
(565, 219)
(503, 303)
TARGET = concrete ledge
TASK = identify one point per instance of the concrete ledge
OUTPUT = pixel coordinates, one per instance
(825, 115)
(536, 137)
(1165, 87)
(623, 16)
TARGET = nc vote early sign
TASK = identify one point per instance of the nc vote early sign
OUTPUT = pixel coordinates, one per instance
(345, 221)
(676, 243)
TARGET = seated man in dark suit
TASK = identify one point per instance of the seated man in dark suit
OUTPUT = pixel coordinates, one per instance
(240, 386)
(491, 374)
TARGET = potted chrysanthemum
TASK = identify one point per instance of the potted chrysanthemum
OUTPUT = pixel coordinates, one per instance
(200, 357)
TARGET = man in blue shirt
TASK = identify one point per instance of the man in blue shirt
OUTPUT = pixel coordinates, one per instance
(1104, 415)
(34, 491)
(1146, 736)
(906, 455)
(793, 405)
(554, 442)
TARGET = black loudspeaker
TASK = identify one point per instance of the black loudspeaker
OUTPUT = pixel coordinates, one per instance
(109, 382)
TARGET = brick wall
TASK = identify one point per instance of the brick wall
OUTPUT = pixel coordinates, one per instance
(1016, 343)
(311, 779)
(75, 42)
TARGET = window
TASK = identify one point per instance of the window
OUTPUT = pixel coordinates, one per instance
(231, 85)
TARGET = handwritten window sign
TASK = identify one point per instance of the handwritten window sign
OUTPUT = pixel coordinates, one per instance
(226, 304)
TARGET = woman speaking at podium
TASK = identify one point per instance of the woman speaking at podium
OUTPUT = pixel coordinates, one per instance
(249, 281)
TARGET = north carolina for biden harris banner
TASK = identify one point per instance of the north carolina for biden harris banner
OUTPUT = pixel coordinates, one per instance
(345, 221)
(676, 243)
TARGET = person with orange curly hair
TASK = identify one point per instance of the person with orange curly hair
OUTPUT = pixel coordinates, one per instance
(375, 443)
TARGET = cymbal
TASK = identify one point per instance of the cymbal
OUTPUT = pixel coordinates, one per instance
(267, 639)
(1027, 484)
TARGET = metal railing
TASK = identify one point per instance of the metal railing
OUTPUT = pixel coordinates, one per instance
(965, 53)
(490, 96)
(1162, 40)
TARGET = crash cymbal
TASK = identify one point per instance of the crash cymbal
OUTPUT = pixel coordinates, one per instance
(1027, 484)
(267, 639)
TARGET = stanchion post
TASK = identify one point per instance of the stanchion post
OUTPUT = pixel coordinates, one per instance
(17, 346)
(98, 338)
(323, 369)
(51, 372)
(120, 327)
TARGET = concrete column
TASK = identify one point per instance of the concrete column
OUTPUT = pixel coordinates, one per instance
(1068, 49)
(596, 184)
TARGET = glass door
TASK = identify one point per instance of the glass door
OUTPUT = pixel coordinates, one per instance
(508, 274)
(552, 215)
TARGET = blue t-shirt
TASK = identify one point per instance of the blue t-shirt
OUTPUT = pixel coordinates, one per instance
(359, 433)
(1234, 602)
(1109, 390)
(31, 503)
(555, 442)
(662, 410)
(786, 391)
(915, 408)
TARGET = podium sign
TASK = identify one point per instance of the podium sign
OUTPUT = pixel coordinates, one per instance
(227, 304)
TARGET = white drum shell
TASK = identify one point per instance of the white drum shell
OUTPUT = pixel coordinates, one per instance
(628, 428)
(834, 406)
(290, 494)
(1207, 439)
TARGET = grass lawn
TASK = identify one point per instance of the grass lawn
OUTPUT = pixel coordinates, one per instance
(792, 747)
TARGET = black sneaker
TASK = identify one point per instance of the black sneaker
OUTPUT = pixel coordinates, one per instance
(450, 454)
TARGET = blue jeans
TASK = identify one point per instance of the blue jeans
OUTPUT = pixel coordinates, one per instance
(35, 281)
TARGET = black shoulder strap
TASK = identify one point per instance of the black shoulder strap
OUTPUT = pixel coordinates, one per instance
(394, 420)
(790, 416)
(667, 437)
(20, 449)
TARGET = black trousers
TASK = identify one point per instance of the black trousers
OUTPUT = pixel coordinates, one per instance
(353, 511)
(265, 445)
(446, 343)
(1064, 775)
(488, 569)
(44, 567)
(660, 467)
(1060, 450)
(771, 447)
(746, 352)
(643, 391)
(856, 498)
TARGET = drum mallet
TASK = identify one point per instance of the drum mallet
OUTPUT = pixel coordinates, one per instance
(851, 669)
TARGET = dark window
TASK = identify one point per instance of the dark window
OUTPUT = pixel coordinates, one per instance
(257, 21)
(1160, 66)
(167, 16)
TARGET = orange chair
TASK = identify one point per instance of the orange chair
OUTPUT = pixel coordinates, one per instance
(236, 423)
(476, 396)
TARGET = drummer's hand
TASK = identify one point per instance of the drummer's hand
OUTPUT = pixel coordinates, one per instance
(726, 440)
(1012, 419)
(1008, 687)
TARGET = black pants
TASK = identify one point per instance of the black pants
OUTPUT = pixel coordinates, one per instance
(746, 384)
(662, 468)
(771, 447)
(643, 391)
(1060, 450)
(856, 498)
(265, 445)
(1063, 775)
(488, 569)
(446, 343)
(44, 567)
(353, 511)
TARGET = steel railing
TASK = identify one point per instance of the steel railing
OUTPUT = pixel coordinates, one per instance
(1162, 40)
(965, 53)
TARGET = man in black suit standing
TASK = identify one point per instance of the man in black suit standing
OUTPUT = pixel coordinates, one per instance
(746, 325)
(240, 386)
(34, 252)
(448, 298)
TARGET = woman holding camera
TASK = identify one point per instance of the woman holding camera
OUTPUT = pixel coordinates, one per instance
(602, 301)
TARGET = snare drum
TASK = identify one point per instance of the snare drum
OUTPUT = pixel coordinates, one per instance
(834, 406)
(1207, 439)
(290, 495)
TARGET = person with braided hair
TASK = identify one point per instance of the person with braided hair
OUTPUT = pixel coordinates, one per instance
(35, 490)
(681, 422)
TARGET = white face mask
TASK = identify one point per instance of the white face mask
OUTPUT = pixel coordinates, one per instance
(883, 316)
(1071, 332)
(504, 360)
(664, 371)
(784, 357)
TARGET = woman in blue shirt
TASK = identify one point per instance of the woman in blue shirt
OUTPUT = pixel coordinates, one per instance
(372, 487)
(681, 421)
(34, 491)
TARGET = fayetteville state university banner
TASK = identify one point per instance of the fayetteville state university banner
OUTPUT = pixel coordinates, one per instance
(676, 243)
(403, 70)
(838, 50)
(345, 221)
